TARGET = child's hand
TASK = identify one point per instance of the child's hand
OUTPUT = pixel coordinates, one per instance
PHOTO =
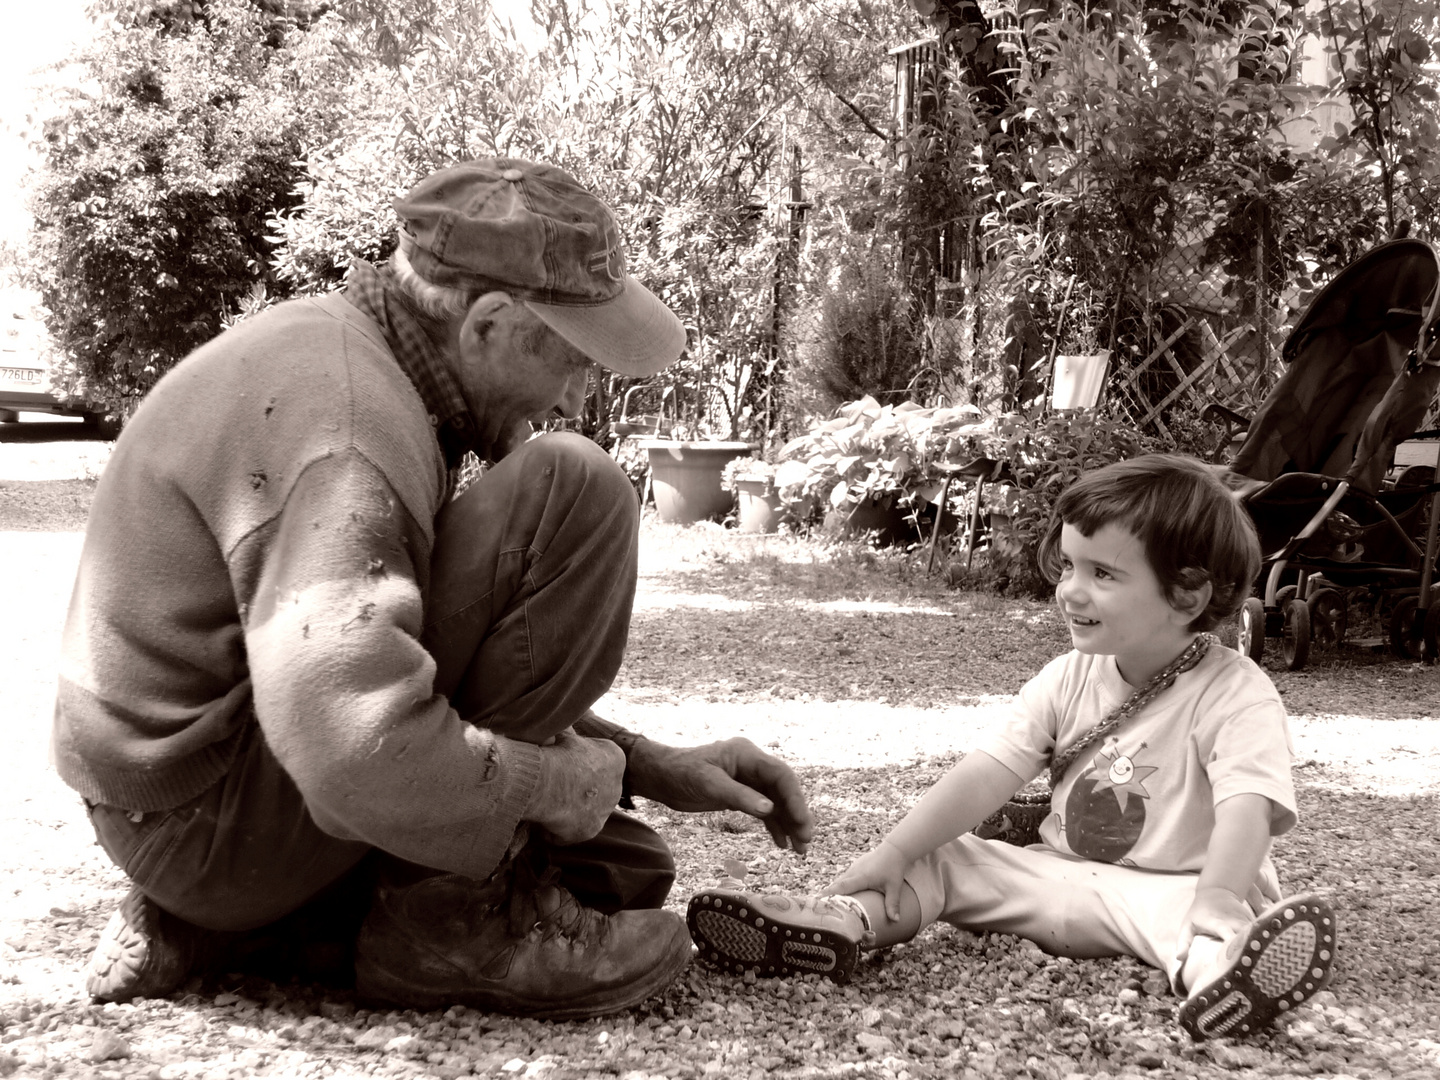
(880, 870)
(1215, 912)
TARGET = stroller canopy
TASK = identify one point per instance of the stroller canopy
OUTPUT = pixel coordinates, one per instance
(1346, 397)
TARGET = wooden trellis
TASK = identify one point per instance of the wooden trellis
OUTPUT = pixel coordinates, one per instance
(1216, 376)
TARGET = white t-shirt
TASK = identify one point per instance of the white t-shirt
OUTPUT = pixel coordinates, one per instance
(1145, 795)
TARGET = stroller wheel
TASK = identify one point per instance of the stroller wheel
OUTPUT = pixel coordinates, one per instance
(1295, 644)
(1252, 629)
(1407, 636)
(1329, 616)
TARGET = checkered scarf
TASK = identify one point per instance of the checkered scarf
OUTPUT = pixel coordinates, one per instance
(373, 291)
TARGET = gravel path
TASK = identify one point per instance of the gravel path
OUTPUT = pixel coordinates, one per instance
(868, 678)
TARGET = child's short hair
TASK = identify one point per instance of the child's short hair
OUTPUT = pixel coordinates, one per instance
(1193, 528)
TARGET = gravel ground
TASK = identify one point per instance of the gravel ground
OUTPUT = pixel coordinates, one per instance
(870, 679)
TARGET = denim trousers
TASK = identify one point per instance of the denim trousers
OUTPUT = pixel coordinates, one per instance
(532, 581)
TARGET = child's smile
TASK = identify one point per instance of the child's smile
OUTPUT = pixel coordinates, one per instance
(1115, 605)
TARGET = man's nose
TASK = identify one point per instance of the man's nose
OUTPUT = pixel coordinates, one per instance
(574, 395)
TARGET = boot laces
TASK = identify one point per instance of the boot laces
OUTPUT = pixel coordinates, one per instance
(565, 918)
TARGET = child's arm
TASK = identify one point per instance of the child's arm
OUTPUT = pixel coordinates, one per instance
(976, 787)
(1238, 845)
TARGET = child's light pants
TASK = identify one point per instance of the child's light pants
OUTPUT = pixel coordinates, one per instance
(1067, 905)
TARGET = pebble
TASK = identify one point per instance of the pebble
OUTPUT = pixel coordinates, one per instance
(108, 1046)
(1236, 1055)
(375, 1038)
(874, 1044)
(408, 1045)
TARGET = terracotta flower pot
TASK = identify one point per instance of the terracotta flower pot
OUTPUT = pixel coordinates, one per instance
(686, 478)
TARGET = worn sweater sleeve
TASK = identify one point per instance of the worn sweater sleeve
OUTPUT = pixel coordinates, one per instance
(344, 690)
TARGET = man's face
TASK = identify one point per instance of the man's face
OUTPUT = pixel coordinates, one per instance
(515, 371)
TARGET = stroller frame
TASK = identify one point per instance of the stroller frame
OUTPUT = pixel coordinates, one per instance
(1364, 368)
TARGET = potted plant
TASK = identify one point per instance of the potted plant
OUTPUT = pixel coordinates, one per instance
(758, 507)
(685, 473)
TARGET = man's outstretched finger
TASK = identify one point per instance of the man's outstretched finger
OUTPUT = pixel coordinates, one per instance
(791, 815)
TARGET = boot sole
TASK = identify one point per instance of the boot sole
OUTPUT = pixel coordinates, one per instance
(733, 936)
(132, 962)
(1287, 957)
(375, 983)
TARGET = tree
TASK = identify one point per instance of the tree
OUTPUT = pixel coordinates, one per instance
(1383, 53)
(688, 120)
(157, 179)
(239, 151)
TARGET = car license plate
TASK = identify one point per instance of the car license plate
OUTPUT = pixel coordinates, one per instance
(30, 378)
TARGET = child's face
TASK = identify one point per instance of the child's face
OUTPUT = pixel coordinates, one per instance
(1115, 605)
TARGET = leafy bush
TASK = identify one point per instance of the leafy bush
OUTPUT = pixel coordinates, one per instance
(155, 188)
(689, 121)
(868, 333)
(1045, 456)
(875, 453)
(898, 454)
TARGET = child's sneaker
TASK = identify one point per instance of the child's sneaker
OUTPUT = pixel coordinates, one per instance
(778, 933)
(1283, 958)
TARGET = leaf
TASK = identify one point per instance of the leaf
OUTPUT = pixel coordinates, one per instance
(930, 492)
(847, 439)
(736, 869)
(792, 473)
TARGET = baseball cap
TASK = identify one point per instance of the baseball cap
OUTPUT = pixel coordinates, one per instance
(531, 230)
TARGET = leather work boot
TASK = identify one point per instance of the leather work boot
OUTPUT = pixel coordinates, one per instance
(513, 944)
(144, 951)
(779, 933)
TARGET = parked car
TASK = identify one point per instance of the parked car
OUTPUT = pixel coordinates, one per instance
(25, 370)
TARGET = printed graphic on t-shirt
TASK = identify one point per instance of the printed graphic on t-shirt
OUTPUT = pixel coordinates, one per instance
(1105, 811)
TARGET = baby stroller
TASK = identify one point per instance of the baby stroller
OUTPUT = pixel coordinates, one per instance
(1314, 470)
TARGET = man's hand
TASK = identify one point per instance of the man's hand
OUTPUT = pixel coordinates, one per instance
(731, 775)
(580, 782)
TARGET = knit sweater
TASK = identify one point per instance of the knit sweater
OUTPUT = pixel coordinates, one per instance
(258, 549)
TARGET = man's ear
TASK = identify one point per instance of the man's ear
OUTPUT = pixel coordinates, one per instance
(483, 312)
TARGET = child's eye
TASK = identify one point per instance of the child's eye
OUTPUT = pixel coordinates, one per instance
(1102, 573)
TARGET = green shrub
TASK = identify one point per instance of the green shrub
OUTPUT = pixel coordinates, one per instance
(154, 191)
(898, 455)
(1045, 456)
(868, 335)
(872, 453)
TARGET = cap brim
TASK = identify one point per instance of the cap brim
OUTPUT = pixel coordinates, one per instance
(634, 334)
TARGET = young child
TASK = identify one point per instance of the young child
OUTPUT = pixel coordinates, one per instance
(1158, 838)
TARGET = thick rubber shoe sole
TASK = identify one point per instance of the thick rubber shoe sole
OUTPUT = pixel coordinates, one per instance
(736, 936)
(1287, 956)
(131, 960)
(378, 984)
